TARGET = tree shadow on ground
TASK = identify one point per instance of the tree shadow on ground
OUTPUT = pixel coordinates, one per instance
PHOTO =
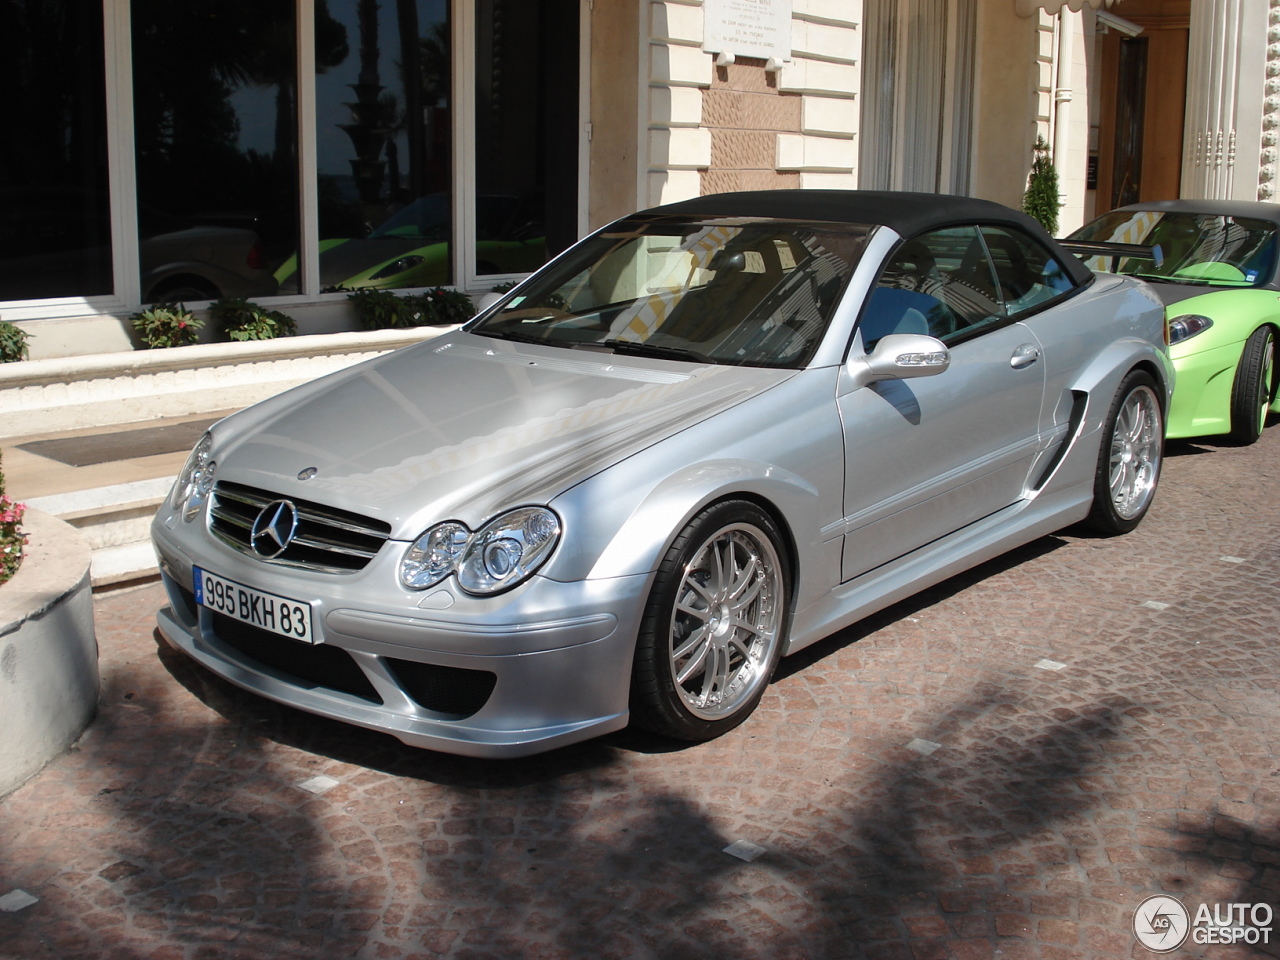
(909, 607)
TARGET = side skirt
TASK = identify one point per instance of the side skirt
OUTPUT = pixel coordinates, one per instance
(968, 547)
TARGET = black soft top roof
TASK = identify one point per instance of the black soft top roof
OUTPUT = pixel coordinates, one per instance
(907, 214)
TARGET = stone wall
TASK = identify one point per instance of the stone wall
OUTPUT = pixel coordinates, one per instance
(48, 650)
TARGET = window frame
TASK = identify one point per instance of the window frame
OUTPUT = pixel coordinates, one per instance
(1018, 234)
(1002, 320)
(122, 168)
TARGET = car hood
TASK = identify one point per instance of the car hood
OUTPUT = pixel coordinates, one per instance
(1171, 293)
(463, 426)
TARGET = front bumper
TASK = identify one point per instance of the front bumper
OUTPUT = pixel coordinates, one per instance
(1202, 398)
(544, 666)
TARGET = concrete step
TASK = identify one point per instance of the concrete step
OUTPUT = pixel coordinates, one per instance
(73, 393)
(116, 520)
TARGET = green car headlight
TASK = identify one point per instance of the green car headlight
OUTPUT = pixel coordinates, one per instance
(1187, 326)
(398, 266)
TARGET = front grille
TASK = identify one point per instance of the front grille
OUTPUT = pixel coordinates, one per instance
(451, 690)
(317, 665)
(327, 539)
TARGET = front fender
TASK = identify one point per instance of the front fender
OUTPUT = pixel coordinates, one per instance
(782, 448)
(643, 539)
(1235, 315)
(1101, 377)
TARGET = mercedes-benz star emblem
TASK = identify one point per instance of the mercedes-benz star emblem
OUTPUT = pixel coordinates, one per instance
(273, 529)
(308, 473)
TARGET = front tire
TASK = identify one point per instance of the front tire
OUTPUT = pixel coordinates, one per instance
(713, 626)
(1254, 387)
(1130, 456)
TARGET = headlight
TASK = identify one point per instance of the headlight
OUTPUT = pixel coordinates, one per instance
(398, 266)
(505, 552)
(434, 555)
(1187, 326)
(195, 481)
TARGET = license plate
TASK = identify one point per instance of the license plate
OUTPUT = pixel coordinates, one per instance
(288, 618)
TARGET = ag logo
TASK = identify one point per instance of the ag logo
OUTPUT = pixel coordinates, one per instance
(1161, 923)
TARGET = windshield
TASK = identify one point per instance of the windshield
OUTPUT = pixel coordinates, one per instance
(1198, 248)
(749, 292)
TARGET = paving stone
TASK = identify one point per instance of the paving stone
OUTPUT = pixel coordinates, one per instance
(1108, 707)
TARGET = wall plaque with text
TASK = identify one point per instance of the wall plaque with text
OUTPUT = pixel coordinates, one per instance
(748, 28)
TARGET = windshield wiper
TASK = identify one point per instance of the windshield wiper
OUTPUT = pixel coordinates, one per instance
(510, 335)
(651, 350)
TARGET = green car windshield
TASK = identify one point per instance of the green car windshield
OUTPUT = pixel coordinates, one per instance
(1199, 248)
(725, 291)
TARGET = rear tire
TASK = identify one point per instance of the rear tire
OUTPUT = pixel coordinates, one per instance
(713, 626)
(1254, 387)
(1129, 457)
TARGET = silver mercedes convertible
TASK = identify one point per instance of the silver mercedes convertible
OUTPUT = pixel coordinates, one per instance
(703, 438)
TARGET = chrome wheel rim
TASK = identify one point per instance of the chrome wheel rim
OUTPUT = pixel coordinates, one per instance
(1267, 375)
(726, 621)
(1136, 444)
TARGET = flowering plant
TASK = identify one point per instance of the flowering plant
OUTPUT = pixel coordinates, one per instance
(245, 320)
(12, 538)
(166, 325)
(13, 342)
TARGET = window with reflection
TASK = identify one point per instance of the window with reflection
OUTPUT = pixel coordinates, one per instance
(940, 284)
(215, 107)
(1205, 249)
(1028, 274)
(55, 220)
(725, 291)
(383, 143)
(526, 133)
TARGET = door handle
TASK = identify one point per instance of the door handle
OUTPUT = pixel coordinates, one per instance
(1024, 356)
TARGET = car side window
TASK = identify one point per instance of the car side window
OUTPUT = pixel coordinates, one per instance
(939, 283)
(1028, 273)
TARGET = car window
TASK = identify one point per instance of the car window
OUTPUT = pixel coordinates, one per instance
(1196, 248)
(939, 283)
(1027, 272)
(730, 291)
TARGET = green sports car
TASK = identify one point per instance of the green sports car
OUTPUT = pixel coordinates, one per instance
(1216, 266)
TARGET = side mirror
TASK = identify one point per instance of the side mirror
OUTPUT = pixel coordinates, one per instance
(900, 356)
(487, 301)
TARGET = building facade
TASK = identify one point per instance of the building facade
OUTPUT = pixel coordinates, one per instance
(291, 151)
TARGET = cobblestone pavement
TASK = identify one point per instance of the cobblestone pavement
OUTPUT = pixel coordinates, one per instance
(1002, 767)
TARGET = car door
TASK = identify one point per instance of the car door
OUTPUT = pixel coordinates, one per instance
(925, 457)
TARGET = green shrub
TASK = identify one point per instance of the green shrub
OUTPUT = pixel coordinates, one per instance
(13, 342)
(239, 319)
(12, 538)
(382, 309)
(165, 325)
(1041, 200)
